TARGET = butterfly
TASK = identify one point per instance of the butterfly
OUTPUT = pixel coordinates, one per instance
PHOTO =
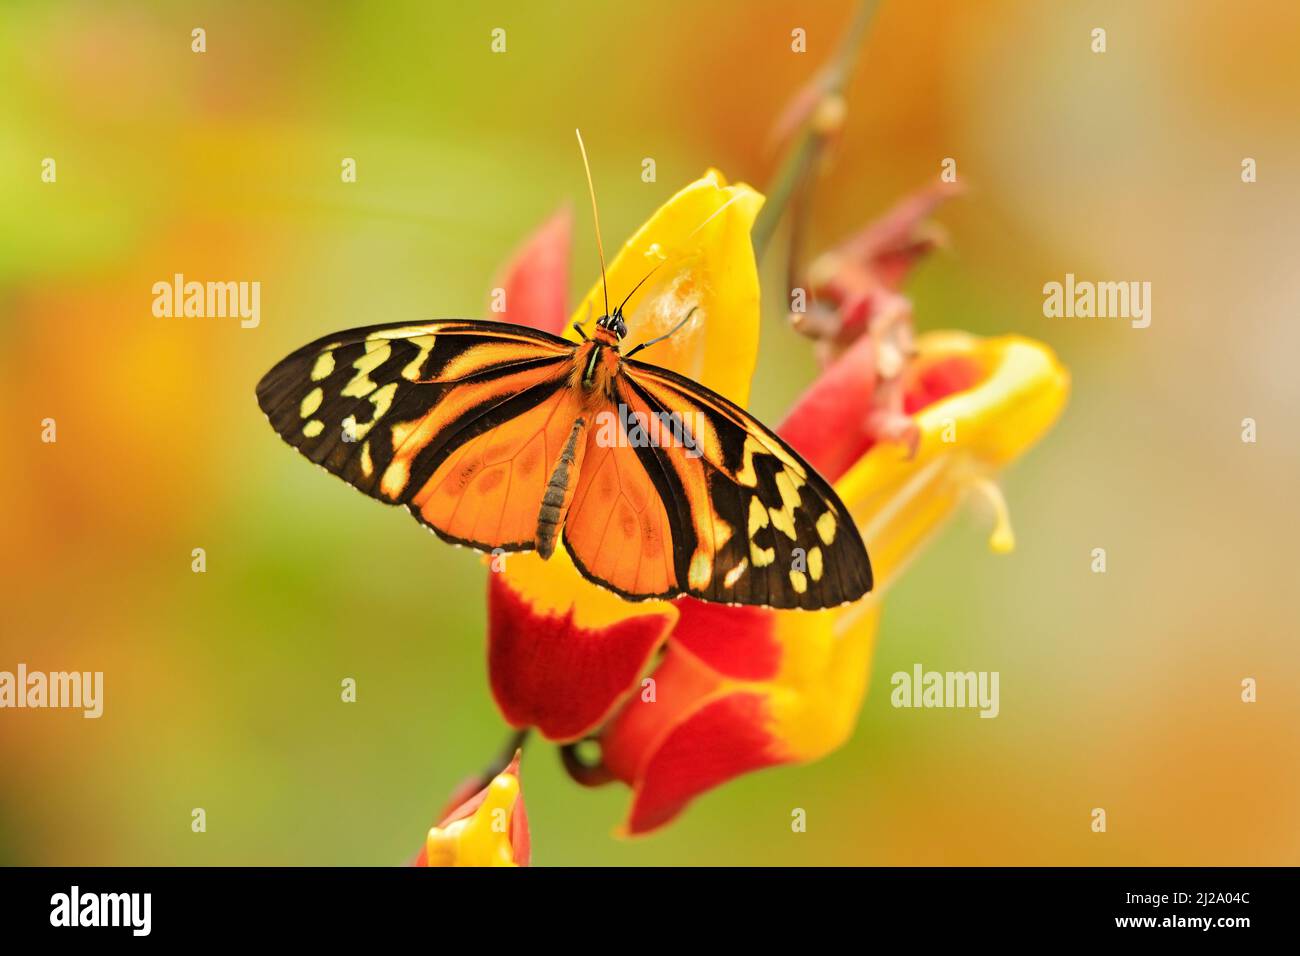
(505, 438)
(499, 436)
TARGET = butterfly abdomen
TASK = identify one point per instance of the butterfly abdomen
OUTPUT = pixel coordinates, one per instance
(559, 490)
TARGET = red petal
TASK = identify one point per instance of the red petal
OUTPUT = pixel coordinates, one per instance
(893, 241)
(536, 279)
(521, 839)
(869, 267)
(938, 379)
(828, 424)
(723, 739)
(630, 740)
(547, 672)
(831, 423)
(735, 641)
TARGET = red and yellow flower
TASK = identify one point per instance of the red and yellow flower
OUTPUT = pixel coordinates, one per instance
(685, 695)
(487, 826)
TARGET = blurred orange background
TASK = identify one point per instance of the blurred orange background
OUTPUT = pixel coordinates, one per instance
(1119, 691)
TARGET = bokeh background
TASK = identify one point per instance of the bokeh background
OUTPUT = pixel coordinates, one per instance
(1119, 691)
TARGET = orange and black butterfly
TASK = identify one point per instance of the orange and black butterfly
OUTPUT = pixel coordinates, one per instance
(498, 436)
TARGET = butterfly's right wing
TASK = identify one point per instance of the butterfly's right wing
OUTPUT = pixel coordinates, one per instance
(458, 420)
(716, 506)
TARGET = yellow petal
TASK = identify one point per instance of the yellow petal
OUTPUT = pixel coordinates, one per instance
(701, 238)
(818, 692)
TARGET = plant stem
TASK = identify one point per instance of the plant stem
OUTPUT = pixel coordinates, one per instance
(801, 160)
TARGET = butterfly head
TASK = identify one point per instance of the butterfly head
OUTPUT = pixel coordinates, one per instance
(613, 325)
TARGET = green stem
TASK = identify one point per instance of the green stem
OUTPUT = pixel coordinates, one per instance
(779, 193)
(802, 157)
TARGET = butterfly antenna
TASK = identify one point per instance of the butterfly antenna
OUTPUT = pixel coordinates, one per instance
(619, 310)
(646, 345)
(600, 246)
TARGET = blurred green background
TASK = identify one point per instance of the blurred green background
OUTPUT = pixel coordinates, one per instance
(1118, 690)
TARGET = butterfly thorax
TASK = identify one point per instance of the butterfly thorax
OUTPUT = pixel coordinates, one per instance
(597, 360)
(595, 366)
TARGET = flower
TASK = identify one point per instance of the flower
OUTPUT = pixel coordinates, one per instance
(743, 688)
(532, 296)
(905, 429)
(489, 828)
(561, 650)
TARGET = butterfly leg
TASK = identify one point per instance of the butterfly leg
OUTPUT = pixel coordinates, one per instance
(560, 488)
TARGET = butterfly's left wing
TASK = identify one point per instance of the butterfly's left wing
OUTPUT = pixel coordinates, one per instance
(458, 420)
(745, 519)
